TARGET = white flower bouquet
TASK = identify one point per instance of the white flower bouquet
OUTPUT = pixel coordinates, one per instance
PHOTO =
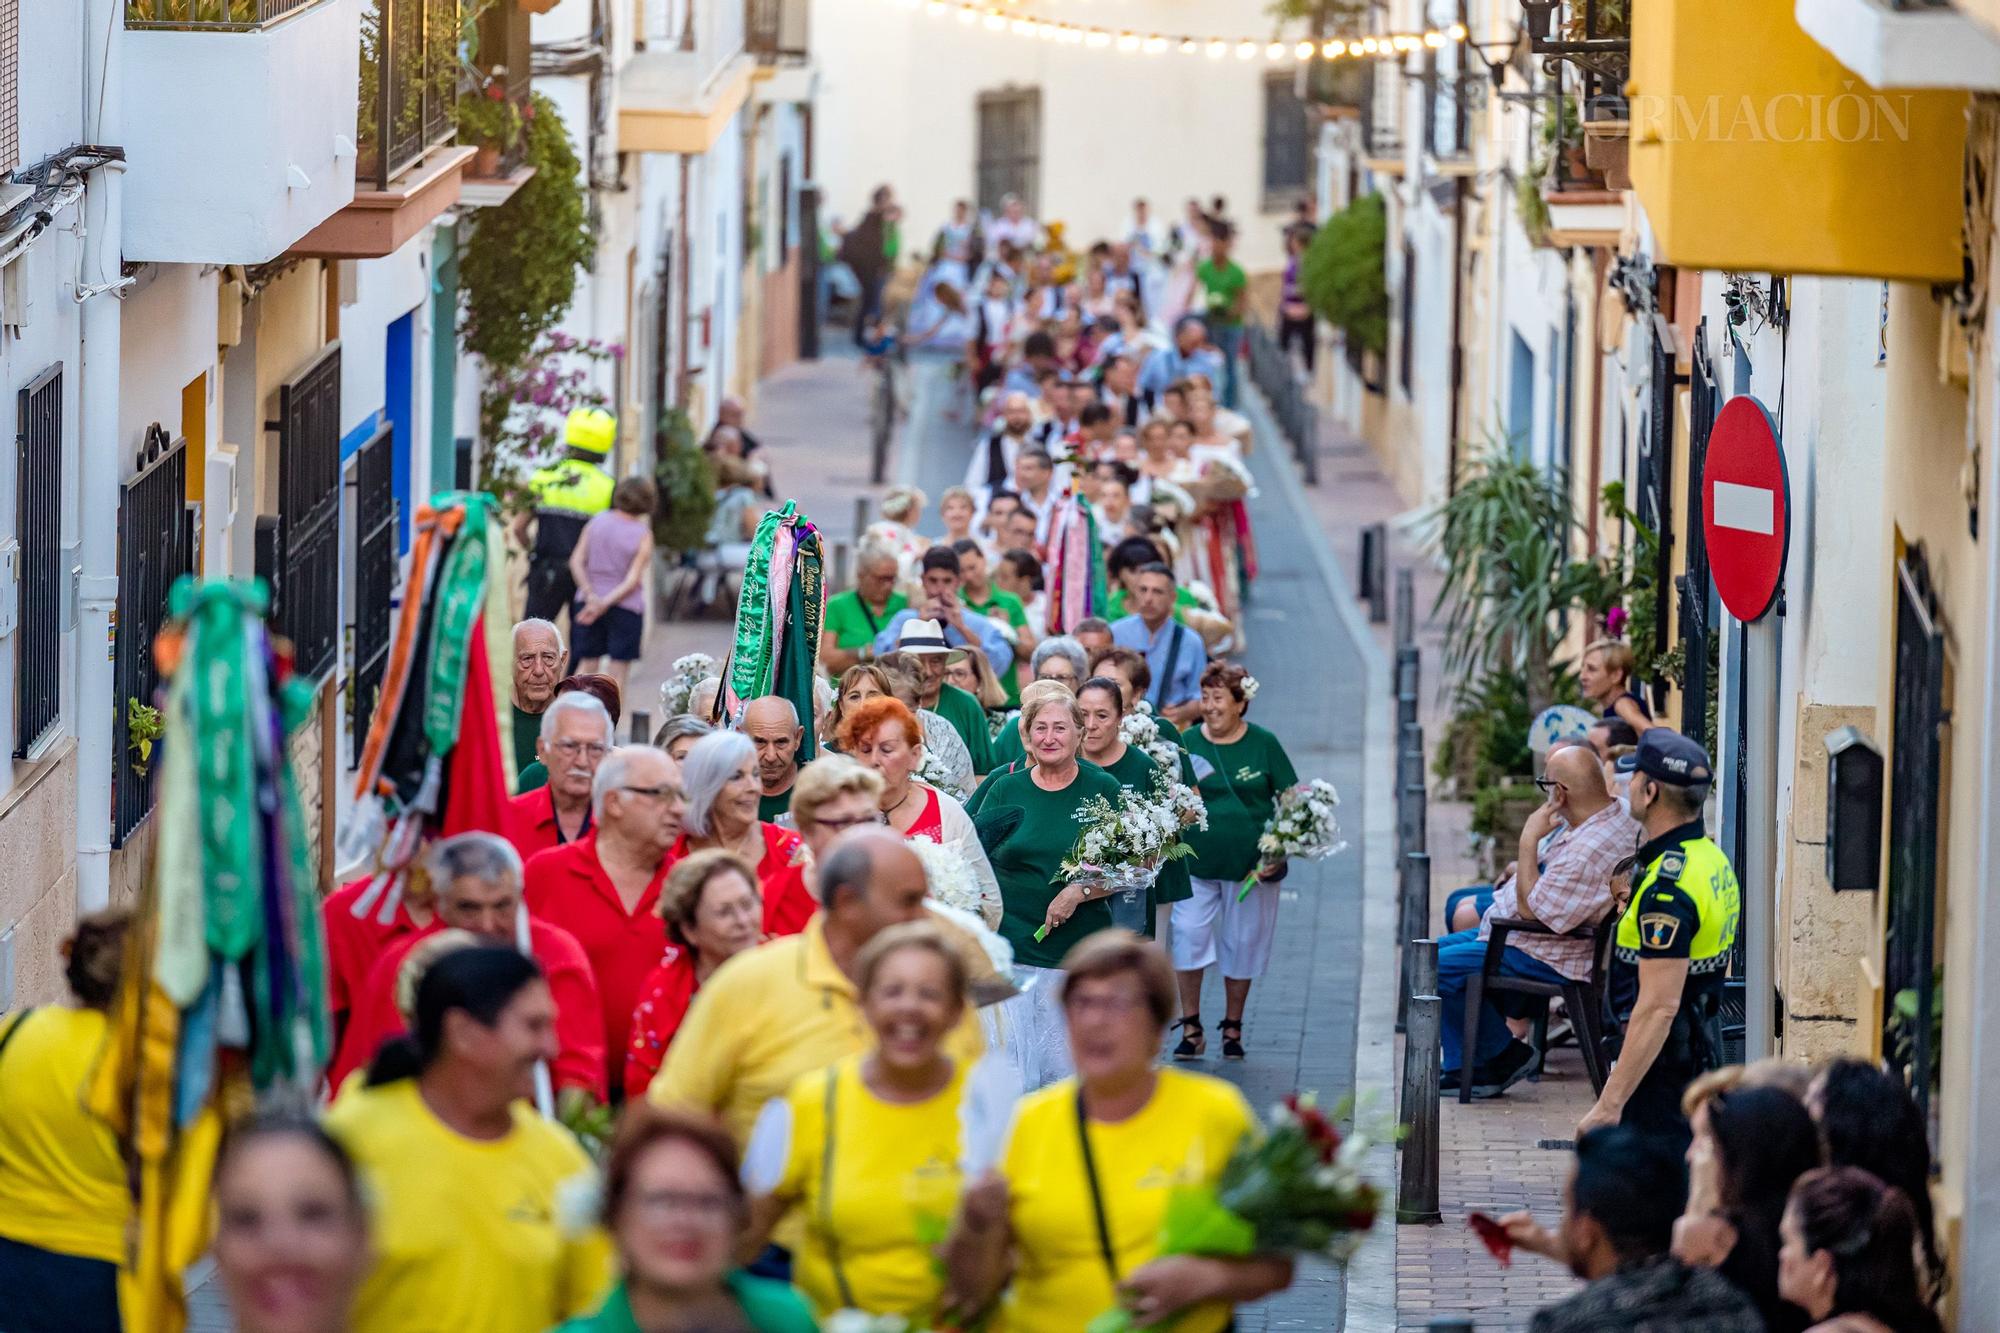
(1141, 730)
(678, 688)
(1304, 825)
(950, 879)
(1125, 841)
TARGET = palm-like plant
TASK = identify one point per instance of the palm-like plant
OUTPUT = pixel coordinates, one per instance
(1510, 582)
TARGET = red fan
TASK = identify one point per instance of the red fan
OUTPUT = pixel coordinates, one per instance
(1494, 1236)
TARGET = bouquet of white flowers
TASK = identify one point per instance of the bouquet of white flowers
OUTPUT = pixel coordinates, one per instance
(678, 688)
(950, 879)
(1124, 841)
(1303, 825)
(1141, 730)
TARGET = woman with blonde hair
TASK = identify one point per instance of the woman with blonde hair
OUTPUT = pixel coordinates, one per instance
(956, 509)
(1605, 677)
(972, 673)
(714, 910)
(902, 510)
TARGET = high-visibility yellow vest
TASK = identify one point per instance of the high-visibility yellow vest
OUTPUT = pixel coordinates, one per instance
(568, 493)
(1696, 871)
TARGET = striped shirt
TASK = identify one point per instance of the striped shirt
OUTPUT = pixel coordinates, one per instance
(1573, 891)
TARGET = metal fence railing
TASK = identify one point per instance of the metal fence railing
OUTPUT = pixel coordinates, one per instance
(1418, 1012)
(409, 85)
(155, 547)
(210, 15)
(306, 560)
(38, 667)
(374, 581)
(1271, 370)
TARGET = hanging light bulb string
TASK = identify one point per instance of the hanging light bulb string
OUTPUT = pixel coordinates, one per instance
(1128, 41)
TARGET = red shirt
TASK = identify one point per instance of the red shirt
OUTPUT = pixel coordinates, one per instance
(663, 1003)
(529, 822)
(354, 943)
(566, 886)
(579, 1015)
(781, 878)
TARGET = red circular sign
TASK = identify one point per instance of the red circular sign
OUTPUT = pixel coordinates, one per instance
(1746, 507)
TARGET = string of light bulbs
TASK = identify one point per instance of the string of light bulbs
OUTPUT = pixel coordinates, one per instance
(1126, 41)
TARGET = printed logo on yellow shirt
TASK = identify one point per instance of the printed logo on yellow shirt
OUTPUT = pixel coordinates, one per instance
(531, 1211)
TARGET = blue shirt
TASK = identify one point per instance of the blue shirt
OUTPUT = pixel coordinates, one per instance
(1185, 686)
(999, 651)
(1162, 368)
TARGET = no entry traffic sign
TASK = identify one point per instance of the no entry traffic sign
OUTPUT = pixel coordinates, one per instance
(1746, 507)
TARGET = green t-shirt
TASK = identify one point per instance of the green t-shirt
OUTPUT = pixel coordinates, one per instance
(532, 778)
(1000, 605)
(1219, 289)
(968, 719)
(527, 730)
(1241, 794)
(770, 807)
(852, 624)
(1007, 744)
(1114, 606)
(1028, 860)
(768, 1306)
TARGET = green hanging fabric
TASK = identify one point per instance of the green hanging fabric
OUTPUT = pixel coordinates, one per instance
(798, 642)
(461, 595)
(749, 655)
(180, 959)
(218, 644)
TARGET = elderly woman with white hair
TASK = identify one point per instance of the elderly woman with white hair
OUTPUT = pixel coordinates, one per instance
(1060, 659)
(902, 510)
(720, 779)
(1027, 820)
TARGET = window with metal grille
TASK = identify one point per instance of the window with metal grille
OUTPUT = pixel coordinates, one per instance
(1010, 147)
(1287, 142)
(306, 561)
(10, 84)
(38, 668)
(1911, 1015)
(374, 579)
(155, 547)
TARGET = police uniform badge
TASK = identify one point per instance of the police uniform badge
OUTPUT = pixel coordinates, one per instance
(1658, 929)
(1671, 865)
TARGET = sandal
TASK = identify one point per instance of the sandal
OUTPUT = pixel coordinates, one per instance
(1193, 1041)
(1232, 1038)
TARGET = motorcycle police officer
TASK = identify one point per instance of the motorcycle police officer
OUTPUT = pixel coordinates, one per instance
(567, 494)
(1673, 943)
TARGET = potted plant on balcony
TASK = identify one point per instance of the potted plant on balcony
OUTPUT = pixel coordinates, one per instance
(491, 120)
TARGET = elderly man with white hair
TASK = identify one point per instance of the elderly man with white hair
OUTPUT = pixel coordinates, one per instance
(576, 735)
(476, 884)
(723, 790)
(539, 656)
(604, 888)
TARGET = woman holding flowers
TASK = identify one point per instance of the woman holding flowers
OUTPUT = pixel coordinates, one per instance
(1219, 923)
(882, 734)
(1029, 822)
(1106, 745)
(870, 1152)
(1076, 1207)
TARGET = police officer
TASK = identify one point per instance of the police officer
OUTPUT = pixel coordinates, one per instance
(567, 494)
(1673, 943)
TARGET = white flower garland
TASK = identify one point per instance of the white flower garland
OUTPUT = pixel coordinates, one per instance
(1250, 688)
(682, 677)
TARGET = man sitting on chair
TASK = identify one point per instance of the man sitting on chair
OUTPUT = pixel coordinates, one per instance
(1568, 890)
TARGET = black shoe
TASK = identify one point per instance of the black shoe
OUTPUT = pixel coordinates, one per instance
(1504, 1070)
(1232, 1038)
(1193, 1041)
(1448, 1081)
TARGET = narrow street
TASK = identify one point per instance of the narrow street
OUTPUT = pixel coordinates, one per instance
(1301, 1023)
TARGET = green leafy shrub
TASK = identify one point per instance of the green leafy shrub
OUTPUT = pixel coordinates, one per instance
(686, 481)
(1341, 273)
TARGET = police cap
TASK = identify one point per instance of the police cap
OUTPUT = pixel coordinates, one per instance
(1667, 756)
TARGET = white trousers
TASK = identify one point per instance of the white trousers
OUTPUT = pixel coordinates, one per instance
(1213, 927)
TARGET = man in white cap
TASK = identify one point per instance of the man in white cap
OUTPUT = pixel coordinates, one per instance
(922, 653)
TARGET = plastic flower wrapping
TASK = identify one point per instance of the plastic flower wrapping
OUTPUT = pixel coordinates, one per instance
(1124, 841)
(1295, 1188)
(1304, 826)
(686, 673)
(1141, 730)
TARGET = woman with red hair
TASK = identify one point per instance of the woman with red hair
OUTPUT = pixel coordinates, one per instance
(884, 735)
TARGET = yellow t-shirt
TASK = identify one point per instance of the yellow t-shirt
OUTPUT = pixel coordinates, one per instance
(62, 1185)
(471, 1236)
(1183, 1136)
(895, 1186)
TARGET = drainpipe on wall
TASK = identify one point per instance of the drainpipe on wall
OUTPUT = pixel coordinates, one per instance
(99, 465)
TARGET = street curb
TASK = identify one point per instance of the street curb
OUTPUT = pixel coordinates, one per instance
(1370, 1304)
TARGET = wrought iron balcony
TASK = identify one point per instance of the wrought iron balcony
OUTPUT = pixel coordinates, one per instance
(209, 15)
(1594, 36)
(504, 59)
(409, 86)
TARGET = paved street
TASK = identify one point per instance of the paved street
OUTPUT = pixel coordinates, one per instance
(1300, 1025)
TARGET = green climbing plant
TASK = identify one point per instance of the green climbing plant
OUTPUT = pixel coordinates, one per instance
(686, 480)
(1341, 273)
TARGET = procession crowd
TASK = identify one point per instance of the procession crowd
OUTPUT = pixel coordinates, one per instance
(850, 1005)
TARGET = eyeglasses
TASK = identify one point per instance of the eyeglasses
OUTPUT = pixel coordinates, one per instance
(1547, 784)
(664, 792)
(570, 749)
(858, 821)
(670, 1205)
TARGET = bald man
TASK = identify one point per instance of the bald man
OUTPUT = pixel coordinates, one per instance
(1567, 889)
(772, 724)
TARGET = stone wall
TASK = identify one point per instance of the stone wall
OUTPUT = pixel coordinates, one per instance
(1822, 935)
(38, 892)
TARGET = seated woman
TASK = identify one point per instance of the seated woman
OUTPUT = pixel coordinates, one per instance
(738, 505)
(1071, 1212)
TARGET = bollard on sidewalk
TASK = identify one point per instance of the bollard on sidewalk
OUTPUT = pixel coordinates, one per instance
(1413, 908)
(1410, 792)
(1405, 617)
(1420, 970)
(1417, 1182)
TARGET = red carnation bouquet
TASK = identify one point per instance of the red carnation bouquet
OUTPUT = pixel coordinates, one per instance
(1296, 1188)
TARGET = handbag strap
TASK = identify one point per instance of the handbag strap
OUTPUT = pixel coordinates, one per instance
(1104, 1249)
(1166, 681)
(826, 1194)
(15, 1027)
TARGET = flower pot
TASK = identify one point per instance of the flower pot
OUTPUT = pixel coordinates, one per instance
(537, 6)
(1607, 147)
(486, 160)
